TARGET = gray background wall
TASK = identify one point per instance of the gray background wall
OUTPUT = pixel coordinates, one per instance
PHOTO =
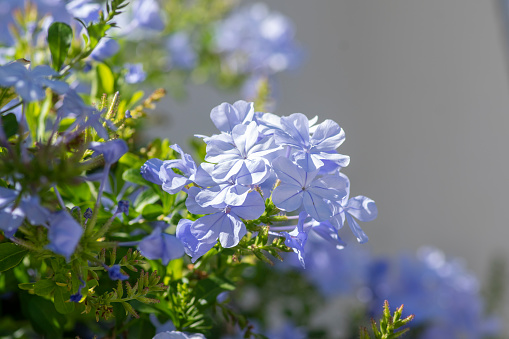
(421, 89)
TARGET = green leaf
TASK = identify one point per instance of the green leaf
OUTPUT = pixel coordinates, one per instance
(145, 198)
(42, 315)
(62, 303)
(10, 255)
(26, 286)
(44, 287)
(59, 41)
(151, 212)
(211, 287)
(10, 124)
(6, 95)
(133, 175)
(105, 79)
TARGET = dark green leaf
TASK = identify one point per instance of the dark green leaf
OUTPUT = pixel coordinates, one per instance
(10, 124)
(10, 255)
(42, 315)
(44, 287)
(211, 287)
(62, 303)
(59, 41)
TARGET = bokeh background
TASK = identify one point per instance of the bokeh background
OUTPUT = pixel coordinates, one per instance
(421, 90)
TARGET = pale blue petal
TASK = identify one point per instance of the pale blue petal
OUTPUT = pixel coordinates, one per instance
(356, 229)
(64, 234)
(288, 172)
(327, 136)
(150, 170)
(192, 246)
(252, 208)
(362, 208)
(112, 150)
(317, 208)
(193, 206)
(287, 197)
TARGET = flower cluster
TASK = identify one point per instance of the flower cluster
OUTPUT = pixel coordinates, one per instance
(256, 160)
(442, 294)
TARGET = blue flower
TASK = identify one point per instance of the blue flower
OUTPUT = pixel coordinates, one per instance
(181, 51)
(192, 246)
(30, 84)
(64, 234)
(178, 335)
(312, 152)
(254, 39)
(84, 10)
(76, 297)
(11, 216)
(299, 187)
(159, 245)
(172, 175)
(135, 73)
(123, 207)
(105, 49)
(226, 116)
(112, 150)
(140, 18)
(226, 224)
(296, 239)
(115, 274)
(359, 207)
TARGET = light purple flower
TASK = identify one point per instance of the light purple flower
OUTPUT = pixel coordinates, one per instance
(312, 152)
(30, 84)
(84, 10)
(181, 51)
(178, 335)
(359, 207)
(135, 73)
(159, 245)
(112, 150)
(299, 187)
(192, 246)
(105, 49)
(226, 224)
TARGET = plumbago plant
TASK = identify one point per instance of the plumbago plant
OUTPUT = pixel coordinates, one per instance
(102, 237)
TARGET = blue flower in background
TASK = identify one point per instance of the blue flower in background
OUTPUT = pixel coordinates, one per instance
(253, 39)
(135, 73)
(182, 54)
(30, 84)
(105, 49)
(178, 335)
(139, 19)
(11, 216)
(64, 234)
(85, 10)
(112, 150)
(115, 273)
